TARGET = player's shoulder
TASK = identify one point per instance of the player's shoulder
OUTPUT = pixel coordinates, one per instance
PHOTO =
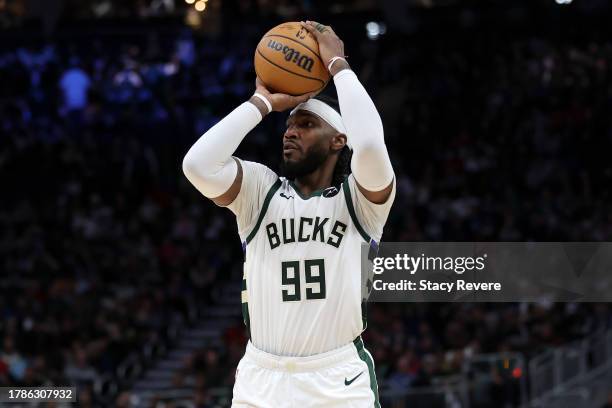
(257, 174)
(253, 167)
(351, 188)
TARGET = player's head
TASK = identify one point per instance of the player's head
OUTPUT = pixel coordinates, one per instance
(315, 135)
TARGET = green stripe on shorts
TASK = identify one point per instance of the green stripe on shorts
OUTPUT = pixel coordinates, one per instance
(365, 356)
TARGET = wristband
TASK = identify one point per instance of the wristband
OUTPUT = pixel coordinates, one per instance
(264, 100)
(331, 62)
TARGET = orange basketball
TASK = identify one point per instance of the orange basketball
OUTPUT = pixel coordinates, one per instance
(287, 60)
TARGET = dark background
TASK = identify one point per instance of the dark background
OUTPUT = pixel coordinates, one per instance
(497, 119)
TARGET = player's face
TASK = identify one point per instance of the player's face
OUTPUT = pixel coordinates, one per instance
(306, 144)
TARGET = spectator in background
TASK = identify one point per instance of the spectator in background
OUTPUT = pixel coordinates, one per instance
(201, 399)
(124, 400)
(15, 364)
(608, 404)
(79, 370)
(74, 84)
(185, 49)
(406, 371)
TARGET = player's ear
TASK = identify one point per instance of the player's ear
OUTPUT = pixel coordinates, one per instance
(338, 141)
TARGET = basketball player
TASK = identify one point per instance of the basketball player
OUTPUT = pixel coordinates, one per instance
(302, 235)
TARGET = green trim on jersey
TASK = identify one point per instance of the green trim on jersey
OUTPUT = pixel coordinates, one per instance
(264, 208)
(302, 196)
(364, 315)
(351, 209)
(365, 357)
(364, 235)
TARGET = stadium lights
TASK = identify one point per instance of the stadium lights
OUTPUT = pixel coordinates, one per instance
(563, 1)
(374, 29)
(200, 5)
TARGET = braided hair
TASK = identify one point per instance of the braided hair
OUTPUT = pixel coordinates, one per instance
(343, 165)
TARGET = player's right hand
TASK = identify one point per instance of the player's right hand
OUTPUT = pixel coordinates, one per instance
(281, 102)
(330, 45)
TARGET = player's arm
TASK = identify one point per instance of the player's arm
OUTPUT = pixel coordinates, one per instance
(209, 164)
(370, 164)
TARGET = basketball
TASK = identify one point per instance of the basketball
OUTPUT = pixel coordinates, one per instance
(287, 60)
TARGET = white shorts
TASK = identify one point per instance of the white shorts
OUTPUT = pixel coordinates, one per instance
(339, 378)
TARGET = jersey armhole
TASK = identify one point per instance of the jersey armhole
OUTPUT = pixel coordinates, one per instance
(351, 209)
(373, 250)
(262, 213)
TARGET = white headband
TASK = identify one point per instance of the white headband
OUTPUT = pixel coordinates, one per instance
(325, 112)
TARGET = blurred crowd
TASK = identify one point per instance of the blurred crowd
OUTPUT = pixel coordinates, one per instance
(103, 242)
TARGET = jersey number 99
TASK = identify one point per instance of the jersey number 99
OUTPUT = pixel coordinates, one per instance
(310, 266)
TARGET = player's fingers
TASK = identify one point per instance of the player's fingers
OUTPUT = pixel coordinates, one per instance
(311, 95)
(259, 83)
(260, 86)
(303, 98)
(310, 28)
(318, 27)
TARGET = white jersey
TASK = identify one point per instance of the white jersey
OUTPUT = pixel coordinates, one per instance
(302, 274)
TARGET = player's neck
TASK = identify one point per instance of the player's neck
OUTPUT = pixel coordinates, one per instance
(319, 179)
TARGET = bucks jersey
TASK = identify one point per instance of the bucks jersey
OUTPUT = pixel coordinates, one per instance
(302, 275)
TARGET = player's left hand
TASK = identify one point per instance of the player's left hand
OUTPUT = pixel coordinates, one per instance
(330, 45)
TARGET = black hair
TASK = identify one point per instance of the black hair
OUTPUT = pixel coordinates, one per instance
(343, 165)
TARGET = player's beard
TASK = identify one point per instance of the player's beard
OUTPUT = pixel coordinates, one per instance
(314, 158)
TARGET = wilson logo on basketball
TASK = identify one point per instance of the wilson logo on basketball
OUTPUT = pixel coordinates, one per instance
(292, 55)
